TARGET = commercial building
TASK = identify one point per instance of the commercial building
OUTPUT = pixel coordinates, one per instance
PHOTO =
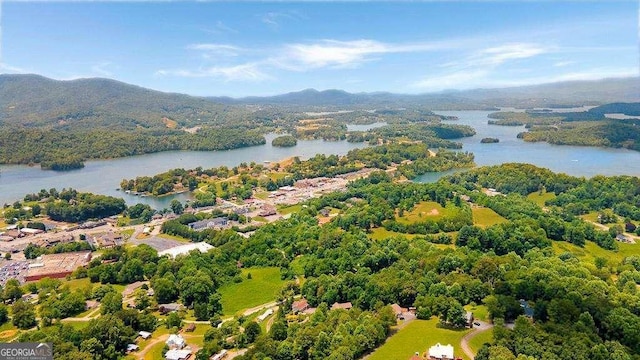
(57, 265)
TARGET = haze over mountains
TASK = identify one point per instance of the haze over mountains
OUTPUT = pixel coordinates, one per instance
(33, 100)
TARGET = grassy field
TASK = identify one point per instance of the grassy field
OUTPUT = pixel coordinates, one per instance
(8, 332)
(540, 199)
(426, 210)
(591, 251)
(78, 325)
(284, 210)
(477, 341)
(479, 312)
(485, 217)
(264, 285)
(382, 233)
(418, 336)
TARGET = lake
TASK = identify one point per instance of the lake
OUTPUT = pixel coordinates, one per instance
(104, 176)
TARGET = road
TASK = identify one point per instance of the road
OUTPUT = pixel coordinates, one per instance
(464, 343)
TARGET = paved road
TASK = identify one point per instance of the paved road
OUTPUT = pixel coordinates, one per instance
(464, 343)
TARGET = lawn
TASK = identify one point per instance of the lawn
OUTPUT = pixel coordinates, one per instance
(485, 217)
(289, 209)
(540, 199)
(480, 312)
(427, 210)
(78, 325)
(264, 285)
(477, 341)
(418, 336)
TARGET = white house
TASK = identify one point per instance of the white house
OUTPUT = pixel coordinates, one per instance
(175, 354)
(441, 352)
(175, 342)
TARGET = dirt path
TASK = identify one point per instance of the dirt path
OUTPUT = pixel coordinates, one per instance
(464, 343)
(146, 349)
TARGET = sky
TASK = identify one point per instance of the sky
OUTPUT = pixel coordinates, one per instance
(265, 48)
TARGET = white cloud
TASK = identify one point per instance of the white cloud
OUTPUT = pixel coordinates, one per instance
(6, 68)
(216, 49)
(242, 72)
(100, 69)
(274, 19)
(343, 54)
(475, 69)
(563, 63)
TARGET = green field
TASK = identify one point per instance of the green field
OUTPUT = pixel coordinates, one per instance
(427, 210)
(382, 233)
(284, 210)
(78, 325)
(477, 341)
(418, 336)
(591, 251)
(479, 312)
(264, 285)
(540, 199)
(485, 217)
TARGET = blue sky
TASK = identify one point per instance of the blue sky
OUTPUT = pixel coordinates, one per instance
(266, 48)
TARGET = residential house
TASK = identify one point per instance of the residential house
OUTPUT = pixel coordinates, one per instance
(468, 317)
(440, 352)
(345, 306)
(299, 306)
(175, 354)
(168, 308)
(132, 347)
(398, 311)
(219, 356)
(191, 327)
(144, 335)
(176, 341)
(528, 311)
(218, 222)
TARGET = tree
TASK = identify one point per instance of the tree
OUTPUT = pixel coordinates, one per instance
(141, 301)
(24, 315)
(176, 206)
(165, 290)
(111, 303)
(4, 314)
(12, 290)
(173, 320)
(252, 331)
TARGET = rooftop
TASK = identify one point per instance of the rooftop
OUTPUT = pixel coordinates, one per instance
(185, 249)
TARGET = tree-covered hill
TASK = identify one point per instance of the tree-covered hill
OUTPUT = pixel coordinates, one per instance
(34, 101)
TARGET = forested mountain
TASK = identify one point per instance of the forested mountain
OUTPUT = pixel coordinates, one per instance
(34, 101)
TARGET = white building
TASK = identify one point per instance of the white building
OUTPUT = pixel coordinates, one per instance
(203, 247)
(177, 354)
(441, 352)
(176, 342)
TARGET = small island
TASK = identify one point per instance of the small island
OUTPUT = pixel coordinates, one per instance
(489, 140)
(284, 141)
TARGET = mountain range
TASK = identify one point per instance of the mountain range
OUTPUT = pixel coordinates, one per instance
(34, 101)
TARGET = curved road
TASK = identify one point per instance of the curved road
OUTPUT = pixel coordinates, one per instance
(464, 343)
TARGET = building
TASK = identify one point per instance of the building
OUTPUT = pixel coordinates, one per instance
(218, 222)
(132, 347)
(267, 210)
(109, 240)
(219, 356)
(398, 311)
(175, 354)
(299, 306)
(440, 352)
(345, 306)
(191, 327)
(265, 315)
(176, 341)
(144, 335)
(57, 265)
(468, 318)
(185, 249)
(168, 308)
(528, 311)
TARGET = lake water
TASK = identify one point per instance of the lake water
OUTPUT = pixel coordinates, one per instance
(572, 160)
(104, 176)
